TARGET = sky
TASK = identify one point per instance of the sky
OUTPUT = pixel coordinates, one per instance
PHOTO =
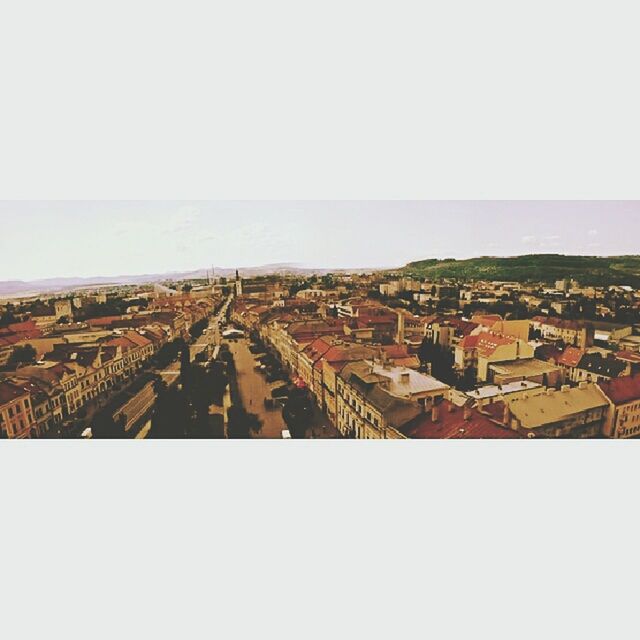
(40, 239)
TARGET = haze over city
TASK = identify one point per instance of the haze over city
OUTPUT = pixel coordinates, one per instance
(85, 239)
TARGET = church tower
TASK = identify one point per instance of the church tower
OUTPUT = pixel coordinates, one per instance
(238, 284)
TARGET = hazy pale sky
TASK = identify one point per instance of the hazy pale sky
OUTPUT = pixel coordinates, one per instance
(73, 238)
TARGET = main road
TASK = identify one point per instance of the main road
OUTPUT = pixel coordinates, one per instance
(254, 389)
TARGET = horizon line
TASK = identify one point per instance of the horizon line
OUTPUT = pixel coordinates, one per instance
(301, 265)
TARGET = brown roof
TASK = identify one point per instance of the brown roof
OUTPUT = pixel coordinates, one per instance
(10, 392)
(628, 356)
(622, 390)
(451, 424)
(571, 357)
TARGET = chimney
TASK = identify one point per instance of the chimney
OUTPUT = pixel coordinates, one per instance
(467, 412)
(400, 332)
(506, 415)
(451, 407)
(435, 413)
(565, 388)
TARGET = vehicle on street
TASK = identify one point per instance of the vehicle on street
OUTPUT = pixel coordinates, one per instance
(233, 334)
(286, 435)
(280, 392)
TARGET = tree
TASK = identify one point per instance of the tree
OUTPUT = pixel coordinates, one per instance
(187, 288)
(197, 328)
(104, 426)
(167, 354)
(426, 351)
(7, 318)
(242, 425)
(468, 380)
(298, 413)
(24, 354)
(64, 320)
(219, 381)
(172, 414)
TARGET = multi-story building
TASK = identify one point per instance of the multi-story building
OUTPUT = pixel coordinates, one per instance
(623, 417)
(16, 412)
(374, 400)
(478, 352)
(447, 421)
(594, 367)
(366, 409)
(61, 379)
(578, 412)
(46, 403)
(570, 332)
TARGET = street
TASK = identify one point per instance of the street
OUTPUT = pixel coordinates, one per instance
(254, 389)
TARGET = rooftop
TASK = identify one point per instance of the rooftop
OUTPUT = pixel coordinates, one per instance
(526, 367)
(494, 391)
(451, 423)
(405, 382)
(622, 390)
(555, 406)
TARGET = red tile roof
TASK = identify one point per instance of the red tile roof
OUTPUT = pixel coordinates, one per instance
(486, 343)
(628, 356)
(571, 357)
(104, 321)
(469, 342)
(487, 321)
(20, 327)
(10, 392)
(137, 339)
(574, 325)
(622, 390)
(451, 424)
(6, 341)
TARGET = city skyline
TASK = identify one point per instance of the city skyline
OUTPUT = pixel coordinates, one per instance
(112, 238)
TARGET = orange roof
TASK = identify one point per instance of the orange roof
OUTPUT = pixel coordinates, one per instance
(486, 343)
(487, 321)
(489, 342)
(451, 424)
(628, 356)
(571, 357)
(622, 390)
(137, 339)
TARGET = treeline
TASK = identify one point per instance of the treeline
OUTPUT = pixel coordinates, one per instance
(183, 412)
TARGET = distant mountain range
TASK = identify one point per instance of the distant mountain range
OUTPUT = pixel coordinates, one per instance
(17, 288)
(548, 268)
(588, 270)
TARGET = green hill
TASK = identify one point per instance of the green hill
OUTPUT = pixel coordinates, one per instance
(587, 270)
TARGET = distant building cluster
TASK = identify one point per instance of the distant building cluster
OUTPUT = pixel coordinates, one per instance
(382, 355)
(63, 357)
(397, 357)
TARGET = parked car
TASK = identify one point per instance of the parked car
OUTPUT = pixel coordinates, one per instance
(280, 392)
